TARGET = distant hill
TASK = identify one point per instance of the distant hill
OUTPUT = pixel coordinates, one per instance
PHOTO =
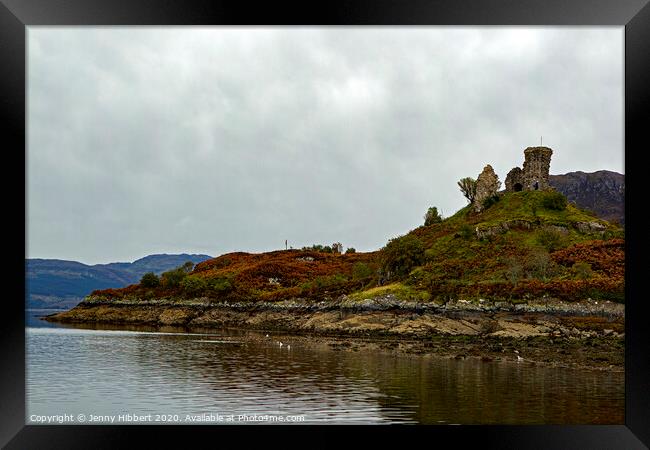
(601, 192)
(55, 283)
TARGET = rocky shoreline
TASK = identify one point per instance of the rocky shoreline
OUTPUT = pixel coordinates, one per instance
(585, 334)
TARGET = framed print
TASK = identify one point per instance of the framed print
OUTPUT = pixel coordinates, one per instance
(353, 218)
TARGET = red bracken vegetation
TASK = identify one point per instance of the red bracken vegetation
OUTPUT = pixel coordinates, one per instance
(274, 275)
(568, 290)
(606, 258)
(290, 268)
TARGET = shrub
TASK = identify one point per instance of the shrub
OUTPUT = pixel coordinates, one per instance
(193, 285)
(187, 267)
(219, 285)
(490, 201)
(331, 280)
(401, 254)
(466, 232)
(538, 265)
(150, 280)
(430, 255)
(550, 239)
(323, 282)
(172, 278)
(419, 278)
(554, 200)
(360, 271)
(350, 250)
(432, 216)
(514, 269)
(319, 248)
(582, 270)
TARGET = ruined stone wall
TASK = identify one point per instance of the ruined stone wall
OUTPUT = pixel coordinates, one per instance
(487, 185)
(515, 180)
(534, 175)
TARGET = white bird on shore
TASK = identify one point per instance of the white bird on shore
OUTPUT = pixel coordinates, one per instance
(280, 344)
(519, 358)
(288, 346)
(266, 335)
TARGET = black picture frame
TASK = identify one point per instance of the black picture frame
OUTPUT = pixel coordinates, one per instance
(16, 15)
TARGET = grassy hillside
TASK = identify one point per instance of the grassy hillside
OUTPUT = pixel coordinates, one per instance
(518, 248)
(524, 245)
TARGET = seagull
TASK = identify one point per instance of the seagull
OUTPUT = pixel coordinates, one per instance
(266, 335)
(519, 358)
(280, 344)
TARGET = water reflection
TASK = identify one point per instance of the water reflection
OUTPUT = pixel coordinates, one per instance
(78, 370)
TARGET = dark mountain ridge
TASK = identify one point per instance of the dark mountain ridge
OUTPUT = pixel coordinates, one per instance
(601, 192)
(56, 283)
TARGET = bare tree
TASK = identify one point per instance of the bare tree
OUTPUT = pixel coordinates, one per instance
(467, 186)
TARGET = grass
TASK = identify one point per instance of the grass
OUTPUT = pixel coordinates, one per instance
(399, 290)
(528, 205)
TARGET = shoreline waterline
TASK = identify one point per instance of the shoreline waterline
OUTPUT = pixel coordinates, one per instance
(582, 339)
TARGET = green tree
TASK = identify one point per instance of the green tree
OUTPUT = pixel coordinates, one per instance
(193, 285)
(351, 250)
(149, 280)
(432, 216)
(467, 186)
(219, 285)
(187, 267)
(360, 271)
(172, 278)
(401, 254)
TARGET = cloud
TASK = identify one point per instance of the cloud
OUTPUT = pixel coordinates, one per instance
(145, 140)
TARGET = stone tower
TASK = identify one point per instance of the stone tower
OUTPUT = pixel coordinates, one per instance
(534, 175)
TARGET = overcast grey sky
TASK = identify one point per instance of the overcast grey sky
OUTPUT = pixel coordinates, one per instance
(212, 140)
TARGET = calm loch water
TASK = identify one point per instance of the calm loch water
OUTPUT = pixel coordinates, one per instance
(179, 377)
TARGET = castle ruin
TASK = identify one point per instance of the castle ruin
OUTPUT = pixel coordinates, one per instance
(534, 176)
